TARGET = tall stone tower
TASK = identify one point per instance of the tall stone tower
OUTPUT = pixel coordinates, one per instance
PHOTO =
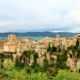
(11, 37)
(57, 36)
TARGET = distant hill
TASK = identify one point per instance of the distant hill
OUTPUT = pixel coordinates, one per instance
(38, 34)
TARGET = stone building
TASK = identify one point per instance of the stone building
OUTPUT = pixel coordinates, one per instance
(2, 45)
(17, 46)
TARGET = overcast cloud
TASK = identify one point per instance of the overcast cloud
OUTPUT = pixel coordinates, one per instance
(39, 15)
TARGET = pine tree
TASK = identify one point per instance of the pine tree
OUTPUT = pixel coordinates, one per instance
(49, 48)
(77, 42)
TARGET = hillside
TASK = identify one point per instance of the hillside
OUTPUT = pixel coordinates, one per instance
(33, 35)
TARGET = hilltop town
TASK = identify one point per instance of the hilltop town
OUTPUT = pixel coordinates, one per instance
(17, 47)
(13, 44)
(45, 59)
(39, 39)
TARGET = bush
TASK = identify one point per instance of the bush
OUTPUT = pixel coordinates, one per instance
(66, 75)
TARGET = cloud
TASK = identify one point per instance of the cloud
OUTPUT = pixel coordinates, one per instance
(74, 15)
(41, 15)
(76, 29)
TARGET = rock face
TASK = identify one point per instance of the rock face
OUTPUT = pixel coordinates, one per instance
(70, 62)
(78, 65)
(50, 58)
(73, 62)
(40, 60)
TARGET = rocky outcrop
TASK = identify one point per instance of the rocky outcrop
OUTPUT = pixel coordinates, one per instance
(70, 62)
(73, 62)
(78, 65)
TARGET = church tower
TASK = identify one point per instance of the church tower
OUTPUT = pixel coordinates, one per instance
(11, 37)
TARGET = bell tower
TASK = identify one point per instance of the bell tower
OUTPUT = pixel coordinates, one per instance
(11, 37)
(57, 36)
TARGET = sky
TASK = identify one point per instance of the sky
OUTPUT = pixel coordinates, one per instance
(39, 15)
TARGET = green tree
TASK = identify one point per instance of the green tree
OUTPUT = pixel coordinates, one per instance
(45, 65)
(66, 75)
(77, 42)
(61, 61)
(49, 48)
(35, 55)
(1, 60)
(26, 57)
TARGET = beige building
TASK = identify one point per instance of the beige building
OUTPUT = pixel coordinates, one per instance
(12, 44)
(17, 46)
(58, 41)
(2, 45)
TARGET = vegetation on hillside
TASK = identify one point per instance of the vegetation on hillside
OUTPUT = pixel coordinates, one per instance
(21, 69)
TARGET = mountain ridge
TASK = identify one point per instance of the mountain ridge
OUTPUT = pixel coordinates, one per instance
(37, 34)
